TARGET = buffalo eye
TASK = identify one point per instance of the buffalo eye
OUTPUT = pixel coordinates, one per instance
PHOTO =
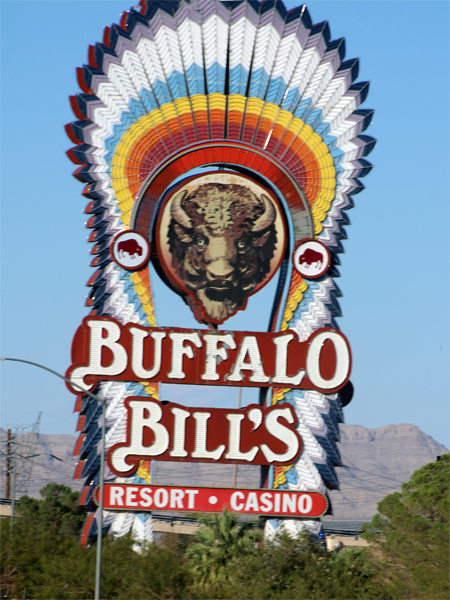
(241, 244)
(201, 242)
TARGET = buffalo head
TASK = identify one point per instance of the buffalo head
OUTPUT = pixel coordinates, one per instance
(222, 238)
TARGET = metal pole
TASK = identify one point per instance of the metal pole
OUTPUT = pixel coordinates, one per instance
(13, 499)
(8, 462)
(235, 466)
(98, 570)
(102, 466)
(72, 383)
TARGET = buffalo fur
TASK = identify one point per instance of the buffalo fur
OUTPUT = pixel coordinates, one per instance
(220, 259)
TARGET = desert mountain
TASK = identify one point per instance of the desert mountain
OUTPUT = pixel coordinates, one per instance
(377, 462)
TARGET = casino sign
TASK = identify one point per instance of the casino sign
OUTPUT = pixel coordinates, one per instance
(221, 143)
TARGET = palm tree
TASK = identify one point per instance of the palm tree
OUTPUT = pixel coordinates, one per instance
(216, 543)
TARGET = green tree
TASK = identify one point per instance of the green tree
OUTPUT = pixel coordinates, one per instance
(217, 543)
(41, 556)
(298, 567)
(44, 566)
(412, 533)
(42, 529)
(57, 510)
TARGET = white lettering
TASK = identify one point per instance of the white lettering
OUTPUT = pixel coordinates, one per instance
(249, 346)
(176, 498)
(130, 497)
(235, 496)
(146, 497)
(266, 502)
(234, 440)
(179, 432)
(277, 498)
(342, 360)
(281, 432)
(97, 342)
(252, 502)
(179, 350)
(138, 422)
(305, 503)
(281, 362)
(255, 415)
(191, 497)
(213, 353)
(161, 498)
(116, 496)
(289, 502)
(137, 352)
(201, 431)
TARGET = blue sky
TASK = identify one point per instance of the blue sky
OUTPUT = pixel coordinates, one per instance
(394, 274)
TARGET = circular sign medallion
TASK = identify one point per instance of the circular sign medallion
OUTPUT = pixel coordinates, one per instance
(130, 250)
(220, 238)
(311, 258)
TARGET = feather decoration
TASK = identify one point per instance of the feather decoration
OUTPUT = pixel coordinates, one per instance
(179, 84)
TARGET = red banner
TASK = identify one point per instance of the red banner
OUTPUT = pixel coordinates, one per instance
(253, 435)
(103, 349)
(140, 498)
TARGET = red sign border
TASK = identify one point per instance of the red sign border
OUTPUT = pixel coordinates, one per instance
(177, 285)
(136, 459)
(245, 383)
(323, 246)
(143, 262)
(202, 487)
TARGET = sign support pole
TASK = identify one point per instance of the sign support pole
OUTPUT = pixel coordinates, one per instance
(98, 569)
(102, 467)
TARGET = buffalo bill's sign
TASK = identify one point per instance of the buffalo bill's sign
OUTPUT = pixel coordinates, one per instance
(119, 496)
(103, 349)
(254, 435)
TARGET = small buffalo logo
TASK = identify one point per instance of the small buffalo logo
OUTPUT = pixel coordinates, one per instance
(309, 257)
(131, 247)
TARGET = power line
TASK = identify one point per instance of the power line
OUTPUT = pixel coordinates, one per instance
(378, 486)
(370, 473)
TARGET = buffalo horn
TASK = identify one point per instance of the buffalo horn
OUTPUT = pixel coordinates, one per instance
(268, 216)
(178, 212)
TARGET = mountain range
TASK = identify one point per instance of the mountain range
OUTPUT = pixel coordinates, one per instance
(377, 461)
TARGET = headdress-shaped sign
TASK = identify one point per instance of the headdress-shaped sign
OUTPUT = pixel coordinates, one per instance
(223, 142)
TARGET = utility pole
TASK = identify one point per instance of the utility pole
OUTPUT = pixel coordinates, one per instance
(102, 402)
(13, 499)
(28, 443)
(8, 461)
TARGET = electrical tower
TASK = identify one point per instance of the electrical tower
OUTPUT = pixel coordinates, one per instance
(19, 454)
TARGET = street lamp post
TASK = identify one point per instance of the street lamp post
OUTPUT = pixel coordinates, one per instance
(98, 569)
